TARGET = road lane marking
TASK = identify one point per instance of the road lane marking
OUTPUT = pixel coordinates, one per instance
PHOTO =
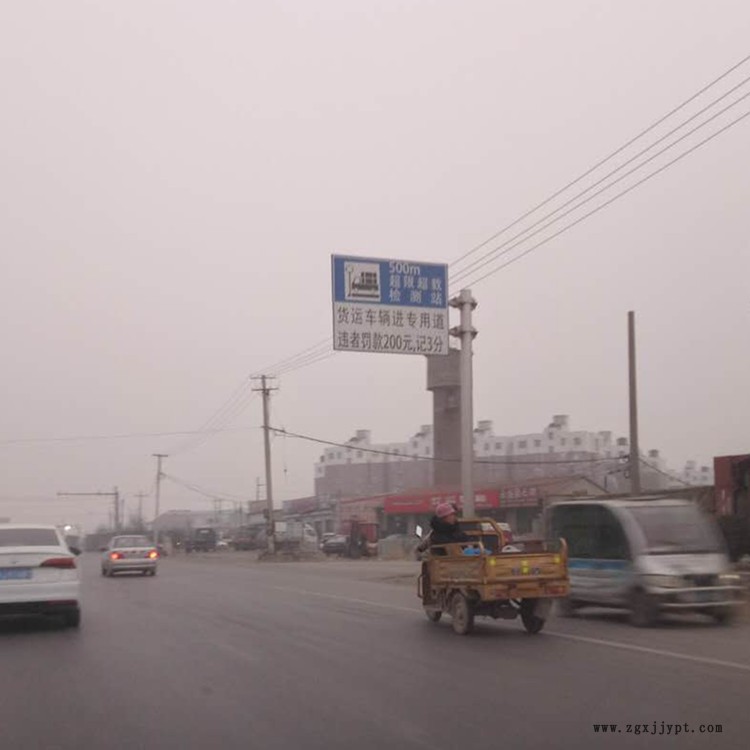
(565, 636)
(337, 597)
(655, 651)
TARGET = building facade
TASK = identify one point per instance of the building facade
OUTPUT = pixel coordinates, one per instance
(362, 467)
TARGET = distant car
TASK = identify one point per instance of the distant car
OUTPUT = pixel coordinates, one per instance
(222, 544)
(325, 538)
(337, 544)
(203, 540)
(38, 573)
(128, 554)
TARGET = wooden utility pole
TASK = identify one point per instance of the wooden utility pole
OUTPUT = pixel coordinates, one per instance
(265, 390)
(159, 474)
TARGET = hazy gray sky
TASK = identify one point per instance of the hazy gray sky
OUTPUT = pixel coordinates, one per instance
(175, 176)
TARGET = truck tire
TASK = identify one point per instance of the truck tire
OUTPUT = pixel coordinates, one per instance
(462, 615)
(723, 616)
(433, 615)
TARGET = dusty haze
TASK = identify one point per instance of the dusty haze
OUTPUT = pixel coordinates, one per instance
(175, 176)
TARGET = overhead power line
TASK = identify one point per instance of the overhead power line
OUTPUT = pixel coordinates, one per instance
(212, 494)
(409, 457)
(616, 197)
(664, 473)
(509, 244)
(121, 436)
(603, 161)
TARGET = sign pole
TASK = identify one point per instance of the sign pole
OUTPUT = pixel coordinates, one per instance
(466, 332)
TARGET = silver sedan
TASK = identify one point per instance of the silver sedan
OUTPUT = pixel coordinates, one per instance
(130, 553)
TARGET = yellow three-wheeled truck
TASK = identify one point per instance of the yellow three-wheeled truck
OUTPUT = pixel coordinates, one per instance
(488, 576)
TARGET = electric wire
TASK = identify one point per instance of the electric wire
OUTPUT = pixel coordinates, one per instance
(410, 457)
(603, 161)
(495, 252)
(479, 279)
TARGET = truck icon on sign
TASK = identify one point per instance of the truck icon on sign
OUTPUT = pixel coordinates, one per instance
(362, 281)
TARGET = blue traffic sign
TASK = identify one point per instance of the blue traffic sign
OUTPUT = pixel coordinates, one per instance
(389, 282)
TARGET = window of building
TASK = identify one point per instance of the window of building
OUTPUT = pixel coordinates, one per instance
(521, 443)
(359, 454)
(498, 446)
(537, 443)
(487, 447)
(576, 441)
(563, 441)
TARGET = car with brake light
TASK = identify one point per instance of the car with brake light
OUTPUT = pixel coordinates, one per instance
(39, 573)
(130, 553)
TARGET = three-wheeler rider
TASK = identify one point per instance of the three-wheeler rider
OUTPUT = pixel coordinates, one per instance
(469, 569)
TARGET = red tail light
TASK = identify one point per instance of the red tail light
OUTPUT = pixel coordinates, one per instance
(115, 555)
(153, 554)
(59, 562)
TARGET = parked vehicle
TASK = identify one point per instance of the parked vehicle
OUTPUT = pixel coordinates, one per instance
(38, 573)
(328, 535)
(480, 578)
(648, 555)
(203, 539)
(247, 538)
(131, 553)
(336, 544)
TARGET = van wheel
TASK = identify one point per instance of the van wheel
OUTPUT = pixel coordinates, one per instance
(723, 616)
(567, 607)
(462, 615)
(643, 610)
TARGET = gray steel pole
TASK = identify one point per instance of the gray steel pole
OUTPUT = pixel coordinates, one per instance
(466, 332)
(635, 460)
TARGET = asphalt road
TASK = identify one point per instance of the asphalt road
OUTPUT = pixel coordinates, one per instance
(217, 653)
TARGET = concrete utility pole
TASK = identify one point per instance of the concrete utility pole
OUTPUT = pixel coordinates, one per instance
(466, 332)
(635, 460)
(265, 390)
(115, 495)
(159, 457)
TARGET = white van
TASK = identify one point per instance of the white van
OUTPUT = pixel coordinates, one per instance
(648, 555)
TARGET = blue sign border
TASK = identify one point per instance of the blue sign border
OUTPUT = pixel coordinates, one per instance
(389, 281)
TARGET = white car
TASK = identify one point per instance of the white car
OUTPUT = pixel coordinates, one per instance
(128, 553)
(38, 573)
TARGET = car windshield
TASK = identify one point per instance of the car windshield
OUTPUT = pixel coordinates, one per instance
(28, 538)
(676, 529)
(131, 541)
